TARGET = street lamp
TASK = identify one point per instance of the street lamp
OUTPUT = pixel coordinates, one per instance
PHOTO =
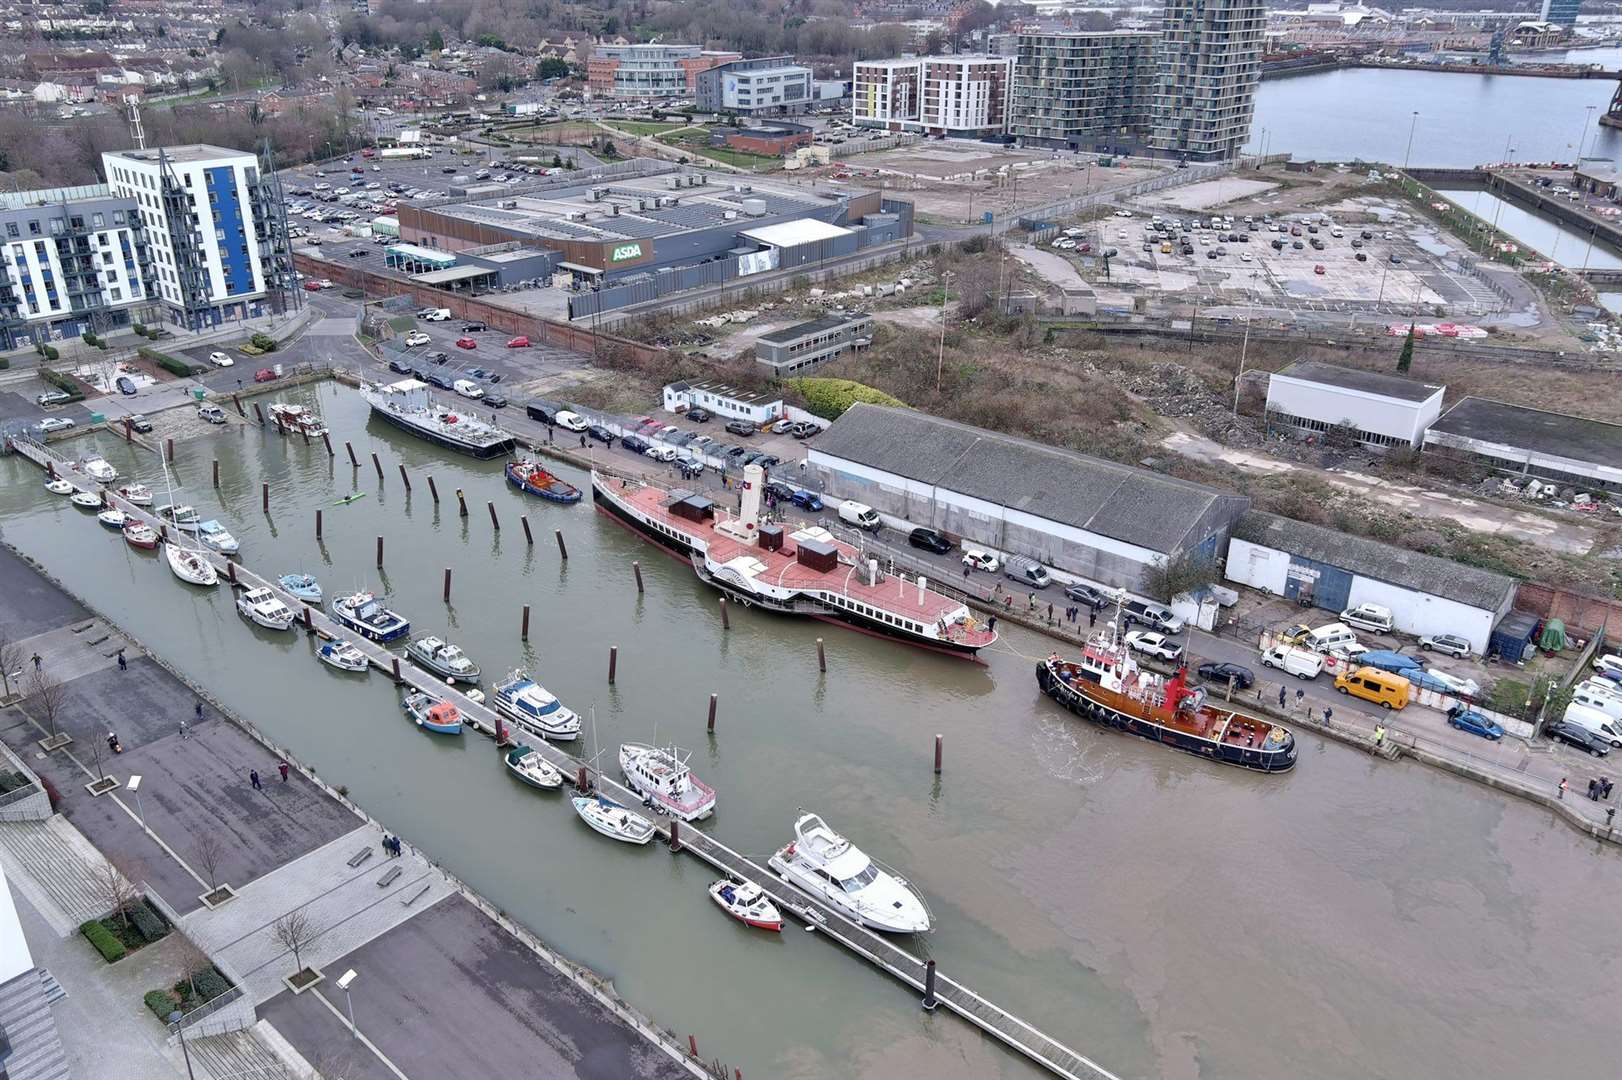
(1588, 122)
(174, 1024)
(1405, 154)
(940, 357)
(346, 980)
(134, 788)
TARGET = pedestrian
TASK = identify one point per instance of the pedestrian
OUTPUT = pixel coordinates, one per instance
(123, 665)
(1593, 790)
(1328, 712)
(991, 624)
(388, 852)
(1092, 617)
(1605, 784)
(197, 712)
(1610, 816)
(965, 572)
(183, 729)
(1562, 794)
(1050, 611)
(1281, 697)
(1299, 694)
(253, 778)
(1379, 734)
(282, 768)
(36, 661)
(582, 442)
(1008, 602)
(1032, 601)
(802, 465)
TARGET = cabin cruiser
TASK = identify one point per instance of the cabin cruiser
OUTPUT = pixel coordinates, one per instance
(535, 710)
(745, 901)
(265, 608)
(85, 500)
(343, 655)
(827, 867)
(431, 713)
(58, 486)
(139, 534)
(98, 469)
(532, 768)
(443, 659)
(181, 517)
(365, 614)
(114, 519)
(136, 494)
(301, 587)
(665, 782)
(214, 535)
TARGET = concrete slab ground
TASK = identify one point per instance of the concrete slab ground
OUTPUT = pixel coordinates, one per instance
(29, 604)
(452, 965)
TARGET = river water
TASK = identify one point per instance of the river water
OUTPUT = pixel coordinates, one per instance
(1168, 917)
(1559, 242)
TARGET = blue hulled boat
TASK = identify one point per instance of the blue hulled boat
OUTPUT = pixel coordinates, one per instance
(530, 478)
(365, 614)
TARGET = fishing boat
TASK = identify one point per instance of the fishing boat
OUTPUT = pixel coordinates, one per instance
(181, 517)
(431, 714)
(365, 614)
(302, 587)
(85, 500)
(443, 659)
(804, 572)
(190, 566)
(528, 477)
(746, 902)
(535, 710)
(214, 535)
(826, 866)
(663, 778)
(343, 655)
(408, 405)
(136, 494)
(290, 418)
(1106, 685)
(138, 534)
(265, 608)
(533, 769)
(58, 486)
(613, 820)
(114, 519)
(98, 469)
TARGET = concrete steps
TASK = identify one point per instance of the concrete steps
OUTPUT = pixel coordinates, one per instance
(237, 1056)
(53, 989)
(53, 864)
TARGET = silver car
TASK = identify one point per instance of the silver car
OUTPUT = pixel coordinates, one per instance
(1451, 644)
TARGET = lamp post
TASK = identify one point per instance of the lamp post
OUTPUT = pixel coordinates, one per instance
(174, 1025)
(134, 788)
(346, 980)
(1588, 122)
(1412, 124)
(940, 357)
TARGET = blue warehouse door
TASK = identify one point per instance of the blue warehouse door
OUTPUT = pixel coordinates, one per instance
(1328, 587)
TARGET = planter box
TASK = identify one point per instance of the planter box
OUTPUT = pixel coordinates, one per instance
(222, 895)
(102, 786)
(55, 742)
(304, 979)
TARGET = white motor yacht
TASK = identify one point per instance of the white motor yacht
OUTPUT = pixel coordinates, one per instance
(826, 866)
(98, 469)
(662, 777)
(85, 500)
(534, 709)
(343, 655)
(214, 535)
(181, 517)
(59, 486)
(136, 494)
(265, 608)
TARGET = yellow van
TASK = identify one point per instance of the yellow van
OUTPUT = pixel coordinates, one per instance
(1371, 684)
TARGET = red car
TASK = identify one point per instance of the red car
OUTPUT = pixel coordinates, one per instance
(265, 374)
(518, 343)
(466, 343)
(1318, 269)
(312, 286)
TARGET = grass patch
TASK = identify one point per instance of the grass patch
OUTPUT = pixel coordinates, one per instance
(642, 127)
(697, 141)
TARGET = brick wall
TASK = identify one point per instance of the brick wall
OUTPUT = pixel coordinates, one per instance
(1583, 614)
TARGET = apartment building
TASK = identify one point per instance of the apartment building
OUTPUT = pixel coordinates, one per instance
(760, 86)
(1072, 88)
(650, 71)
(938, 95)
(215, 230)
(1210, 63)
(74, 261)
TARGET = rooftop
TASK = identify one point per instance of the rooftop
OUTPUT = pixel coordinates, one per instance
(1367, 382)
(1372, 559)
(180, 155)
(1132, 505)
(815, 326)
(792, 233)
(1571, 437)
(727, 390)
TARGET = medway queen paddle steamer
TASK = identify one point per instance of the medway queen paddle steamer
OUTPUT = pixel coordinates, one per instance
(804, 572)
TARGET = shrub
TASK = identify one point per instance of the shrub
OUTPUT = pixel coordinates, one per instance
(161, 1002)
(112, 950)
(63, 383)
(172, 364)
(4, 363)
(829, 398)
(148, 923)
(250, 350)
(210, 984)
(88, 338)
(153, 332)
(49, 352)
(138, 328)
(263, 342)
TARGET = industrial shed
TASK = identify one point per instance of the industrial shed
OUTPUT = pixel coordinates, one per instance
(1513, 439)
(1336, 571)
(1382, 410)
(1094, 518)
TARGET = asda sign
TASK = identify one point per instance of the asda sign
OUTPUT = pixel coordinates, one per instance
(625, 252)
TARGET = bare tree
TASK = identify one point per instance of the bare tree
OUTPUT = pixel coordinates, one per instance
(48, 696)
(113, 889)
(193, 960)
(208, 850)
(11, 657)
(295, 932)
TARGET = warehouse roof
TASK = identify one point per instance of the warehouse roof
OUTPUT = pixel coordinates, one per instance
(1132, 505)
(792, 233)
(1368, 382)
(1533, 429)
(1372, 559)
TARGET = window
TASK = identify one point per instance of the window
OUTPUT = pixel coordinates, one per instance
(11, 230)
(33, 228)
(116, 294)
(98, 220)
(118, 217)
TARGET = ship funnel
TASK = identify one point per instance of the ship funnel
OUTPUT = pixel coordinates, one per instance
(923, 584)
(754, 481)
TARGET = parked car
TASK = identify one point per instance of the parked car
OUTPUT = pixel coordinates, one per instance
(474, 328)
(1085, 594)
(265, 375)
(1159, 616)
(140, 423)
(1243, 678)
(976, 559)
(439, 379)
(468, 389)
(661, 453)
(415, 338)
(53, 397)
(400, 366)
(519, 342)
(572, 421)
(1473, 722)
(741, 427)
(807, 500)
(698, 416)
(55, 423)
(634, 443)
(495, 399)
(804, 430)
(736, 452)
(600, 433)
(1580, 737)
(1152, 644)
(466, 343)
(779, 490)
(929, 540)
(219, 359)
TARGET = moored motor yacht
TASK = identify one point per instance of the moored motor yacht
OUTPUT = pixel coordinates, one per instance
(138, 534)
(662, 777)
(613, 820)
(827, 867)
(443, 659)
(114, 519)
(190, 566)
(535, 710)
(136, 494)
(58, 486)
(98, 469)
(85, 500)
(530, 767)
(265, 608)
(365, 614)
(181, 517)
(302, 587)
(343, 655)
(214, 535)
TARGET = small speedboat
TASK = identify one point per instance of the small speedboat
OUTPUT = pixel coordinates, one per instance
(443, 659)
(85, 500)
(365, 614)
(530, 767)
(114, 519)
(530, 478)
(302, 586)
(59, 486)
(343, 655)
(431, 714)
(265, 608)
(534, 709)
(136, 494)
(747, 903)
(664, 781)
(190, 566)
(213, 535)
(98, 469)
(181, 517)
(138, 534)
(613, 820)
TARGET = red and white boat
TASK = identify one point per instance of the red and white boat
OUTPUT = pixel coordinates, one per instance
(136, 494)
(663, 779)
(746, 903)
(138, 534)
(805, 572)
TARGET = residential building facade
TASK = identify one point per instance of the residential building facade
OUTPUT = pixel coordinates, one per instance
(1562, 13)
(1072, 88)
(937, 95)
(763, 85)
(1210, 65)
(215, 230)
(796, 350)
(650, 71)
(74, 261)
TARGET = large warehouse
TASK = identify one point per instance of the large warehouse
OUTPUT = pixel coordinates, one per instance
(1381, 410)
(1335, 571)
(1586, 454)
(1097, 519)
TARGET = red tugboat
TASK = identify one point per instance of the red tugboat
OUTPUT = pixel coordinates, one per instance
(1108, 687)
(528, 477)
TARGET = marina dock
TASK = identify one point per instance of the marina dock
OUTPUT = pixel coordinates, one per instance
(916, 973)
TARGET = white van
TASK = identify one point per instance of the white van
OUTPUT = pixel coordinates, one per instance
(1371, 617)
(1594, 722)
(468, 388)
(572, 421)
(860, 515)
(1609, 704)
(1327, 637)
(1298, 662)
(1609, 662)
(438, 314)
